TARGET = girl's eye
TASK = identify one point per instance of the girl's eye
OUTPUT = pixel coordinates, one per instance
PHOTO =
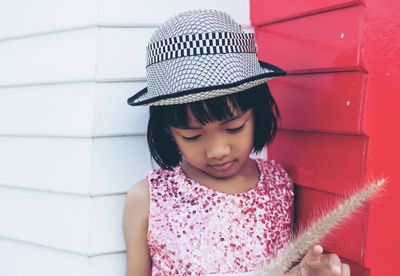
(233, 130)
(191, 138)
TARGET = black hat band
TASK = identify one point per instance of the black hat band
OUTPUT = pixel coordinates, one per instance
(200, 44)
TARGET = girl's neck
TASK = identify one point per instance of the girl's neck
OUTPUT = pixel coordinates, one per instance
(245, 179)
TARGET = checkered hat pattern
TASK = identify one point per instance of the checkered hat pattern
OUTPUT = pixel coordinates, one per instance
(200, 54)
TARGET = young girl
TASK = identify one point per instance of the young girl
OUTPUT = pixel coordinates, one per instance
(210, 208)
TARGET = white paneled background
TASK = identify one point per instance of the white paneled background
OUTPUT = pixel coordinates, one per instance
(70, 146)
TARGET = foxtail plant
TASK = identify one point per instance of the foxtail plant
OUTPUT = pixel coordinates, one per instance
(298, 246)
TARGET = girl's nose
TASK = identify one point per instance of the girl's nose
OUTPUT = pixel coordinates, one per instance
(218, 150)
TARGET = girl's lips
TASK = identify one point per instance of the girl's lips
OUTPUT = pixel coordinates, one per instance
(222, 166)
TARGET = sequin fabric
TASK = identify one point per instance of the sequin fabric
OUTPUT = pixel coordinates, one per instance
(195, 230)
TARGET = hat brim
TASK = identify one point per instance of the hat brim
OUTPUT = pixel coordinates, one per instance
(204, 93)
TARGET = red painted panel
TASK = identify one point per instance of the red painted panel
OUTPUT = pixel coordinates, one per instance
(381, 51)
(328, 162)
(326, 41)
(328, 102)
(309, 44)
(310, 203)
(355, 269)
(263, 12)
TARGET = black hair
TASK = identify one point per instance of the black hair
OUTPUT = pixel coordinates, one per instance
(162, 146)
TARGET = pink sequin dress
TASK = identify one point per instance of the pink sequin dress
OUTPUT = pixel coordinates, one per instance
(195, 230)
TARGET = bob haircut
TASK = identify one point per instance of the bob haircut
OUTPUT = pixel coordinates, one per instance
(162, 146)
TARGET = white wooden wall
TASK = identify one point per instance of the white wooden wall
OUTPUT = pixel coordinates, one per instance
(70, 146)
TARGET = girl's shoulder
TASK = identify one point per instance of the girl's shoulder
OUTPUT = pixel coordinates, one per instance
(138, 196)
(137, 205)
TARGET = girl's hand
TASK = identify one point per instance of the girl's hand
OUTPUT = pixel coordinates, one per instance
(315, 263)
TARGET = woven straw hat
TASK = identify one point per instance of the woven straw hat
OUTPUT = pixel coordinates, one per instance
(201, 54)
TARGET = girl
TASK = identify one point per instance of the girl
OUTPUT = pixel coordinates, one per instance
(210, 208)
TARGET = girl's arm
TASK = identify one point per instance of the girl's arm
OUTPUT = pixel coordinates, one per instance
(135, 222)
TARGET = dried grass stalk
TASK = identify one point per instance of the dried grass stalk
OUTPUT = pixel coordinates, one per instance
(296, 248)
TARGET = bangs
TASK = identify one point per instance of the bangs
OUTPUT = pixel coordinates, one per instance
(206, 111)
(165, 151)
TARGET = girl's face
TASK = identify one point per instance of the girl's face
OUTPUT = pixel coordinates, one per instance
(220, 148)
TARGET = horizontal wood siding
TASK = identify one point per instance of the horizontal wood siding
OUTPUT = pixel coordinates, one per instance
(80, 166)
(320, 140)
(324, 161)
(70, 146)
(21, 258)
(321, 42)
(327, 102)
(267, 12)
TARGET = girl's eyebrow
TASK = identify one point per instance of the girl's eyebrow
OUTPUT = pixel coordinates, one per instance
(224, 122)
(190, 127)
(232, 118)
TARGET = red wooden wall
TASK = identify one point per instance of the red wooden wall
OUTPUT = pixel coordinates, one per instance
(340, 106)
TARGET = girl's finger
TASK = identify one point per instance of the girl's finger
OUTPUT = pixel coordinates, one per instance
(313, 256)
(345, 270)
(311, 259)
(333, 262)
(323, 262)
